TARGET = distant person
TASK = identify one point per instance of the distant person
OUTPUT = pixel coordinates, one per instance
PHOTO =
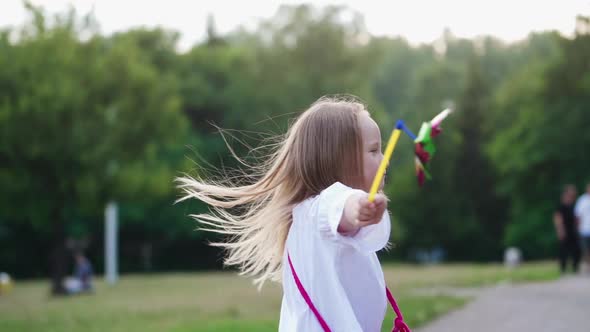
(582, 211)
(309, 222)
(566, 226)
(82, 279)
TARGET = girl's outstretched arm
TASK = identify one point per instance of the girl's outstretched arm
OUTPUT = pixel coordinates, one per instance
(359, 212)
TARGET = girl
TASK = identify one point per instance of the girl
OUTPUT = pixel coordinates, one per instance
(308, 220)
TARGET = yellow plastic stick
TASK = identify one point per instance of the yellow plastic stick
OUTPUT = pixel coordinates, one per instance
(381, 170)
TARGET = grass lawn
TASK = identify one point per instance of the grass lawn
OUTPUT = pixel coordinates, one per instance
(222, 301)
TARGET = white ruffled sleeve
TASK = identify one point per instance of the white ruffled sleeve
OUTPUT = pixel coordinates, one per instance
(330, 207)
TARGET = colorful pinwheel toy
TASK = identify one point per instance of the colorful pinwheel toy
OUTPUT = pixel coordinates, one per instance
(424, 149)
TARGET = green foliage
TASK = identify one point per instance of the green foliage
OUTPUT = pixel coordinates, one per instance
(84, 121)
(86, 118)
(542, 110)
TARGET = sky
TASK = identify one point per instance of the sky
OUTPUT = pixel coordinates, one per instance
(419, 21)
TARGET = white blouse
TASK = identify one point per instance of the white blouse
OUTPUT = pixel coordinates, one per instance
(341, 274)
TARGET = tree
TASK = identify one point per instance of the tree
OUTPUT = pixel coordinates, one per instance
(474, 175)
(541, 111)
(82, 122)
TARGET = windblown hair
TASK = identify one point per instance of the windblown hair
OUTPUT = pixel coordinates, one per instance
(321, 147)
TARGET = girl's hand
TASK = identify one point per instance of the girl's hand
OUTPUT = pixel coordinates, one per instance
(359, 212)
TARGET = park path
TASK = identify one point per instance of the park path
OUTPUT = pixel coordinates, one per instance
(561, 305)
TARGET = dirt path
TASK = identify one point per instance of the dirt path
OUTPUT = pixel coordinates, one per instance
(562, 305)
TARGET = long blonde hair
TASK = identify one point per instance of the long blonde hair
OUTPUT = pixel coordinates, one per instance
(321, 147)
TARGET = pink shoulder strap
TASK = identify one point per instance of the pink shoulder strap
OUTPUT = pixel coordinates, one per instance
(307, 298)
(398, 324)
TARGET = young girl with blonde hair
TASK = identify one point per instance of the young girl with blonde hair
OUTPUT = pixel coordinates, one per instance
(306, 220)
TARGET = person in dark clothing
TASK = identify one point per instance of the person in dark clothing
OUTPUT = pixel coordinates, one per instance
(81, 282)
(566, 226)
(84, 272)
